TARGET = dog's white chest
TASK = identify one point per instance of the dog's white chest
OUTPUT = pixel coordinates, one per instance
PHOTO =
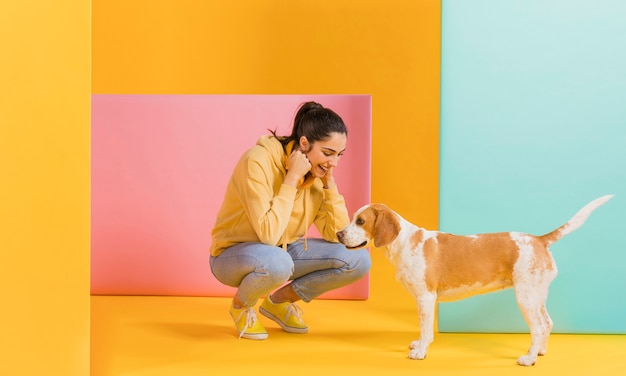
(410, 269)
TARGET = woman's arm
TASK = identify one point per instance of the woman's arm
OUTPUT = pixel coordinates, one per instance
(266, 200)
(333, 214)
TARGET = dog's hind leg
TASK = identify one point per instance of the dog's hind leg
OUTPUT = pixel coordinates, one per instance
(531, 301)
(426, 313)
(548, 322)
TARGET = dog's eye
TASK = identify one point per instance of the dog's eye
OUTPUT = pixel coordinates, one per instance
(359, 221)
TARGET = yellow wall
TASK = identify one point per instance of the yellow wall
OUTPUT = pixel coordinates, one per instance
(45, 88)
(389, 49)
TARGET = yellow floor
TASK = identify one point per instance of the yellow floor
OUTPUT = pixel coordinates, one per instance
(190, 336)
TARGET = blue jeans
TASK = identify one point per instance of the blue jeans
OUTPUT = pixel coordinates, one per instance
(257, 269)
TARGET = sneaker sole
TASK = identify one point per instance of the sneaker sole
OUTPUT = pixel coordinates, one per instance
(258, 337)
(289, 329)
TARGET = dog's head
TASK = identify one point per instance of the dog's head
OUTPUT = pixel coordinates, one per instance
(372, 222)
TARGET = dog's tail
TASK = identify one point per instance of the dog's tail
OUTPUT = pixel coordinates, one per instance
(576, 221)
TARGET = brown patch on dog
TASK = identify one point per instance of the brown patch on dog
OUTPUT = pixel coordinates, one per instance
(542, 260)
(455, 261)
(416, 239)
(368, 219)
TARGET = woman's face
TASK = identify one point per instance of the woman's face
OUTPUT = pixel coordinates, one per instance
(324, 155)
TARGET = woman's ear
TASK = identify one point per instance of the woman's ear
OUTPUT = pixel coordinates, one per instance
(304, 144)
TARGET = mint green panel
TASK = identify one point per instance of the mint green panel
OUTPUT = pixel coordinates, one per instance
(533, 127)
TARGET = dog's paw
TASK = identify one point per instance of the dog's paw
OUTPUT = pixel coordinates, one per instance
(526, 360)
(416, 354)
(418, 350)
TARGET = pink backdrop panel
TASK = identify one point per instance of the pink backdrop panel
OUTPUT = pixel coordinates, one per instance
(160, 165)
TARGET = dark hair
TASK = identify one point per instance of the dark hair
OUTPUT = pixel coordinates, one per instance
(315, 122)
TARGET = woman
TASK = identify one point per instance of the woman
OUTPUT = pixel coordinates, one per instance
(278, 189)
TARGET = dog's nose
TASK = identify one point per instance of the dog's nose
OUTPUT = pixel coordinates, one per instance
(340, 236)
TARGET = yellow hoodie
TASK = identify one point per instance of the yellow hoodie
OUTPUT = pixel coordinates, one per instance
(258, 207)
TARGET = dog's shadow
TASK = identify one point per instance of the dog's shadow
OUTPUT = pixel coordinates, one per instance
(497, 346)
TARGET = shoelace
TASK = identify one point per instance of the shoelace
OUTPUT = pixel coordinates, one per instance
(294, 310)
(250, 319)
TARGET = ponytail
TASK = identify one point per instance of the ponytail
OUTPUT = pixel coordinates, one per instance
(315, 122)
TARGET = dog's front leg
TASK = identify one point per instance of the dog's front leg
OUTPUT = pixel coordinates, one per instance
(426, 313)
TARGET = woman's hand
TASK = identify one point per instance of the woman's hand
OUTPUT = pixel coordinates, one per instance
(299, 165)
(328, 180)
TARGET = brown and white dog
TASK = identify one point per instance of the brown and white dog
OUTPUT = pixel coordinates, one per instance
(435, 266)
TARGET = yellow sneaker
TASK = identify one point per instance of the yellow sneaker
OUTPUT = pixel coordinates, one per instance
(248, 325)
(287, 315)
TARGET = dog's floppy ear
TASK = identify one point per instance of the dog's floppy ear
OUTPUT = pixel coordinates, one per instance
(386, 226)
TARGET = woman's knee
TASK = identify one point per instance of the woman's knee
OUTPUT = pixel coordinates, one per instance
(361, 262)
(357, 263)
(269, 263)
(279, 265)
